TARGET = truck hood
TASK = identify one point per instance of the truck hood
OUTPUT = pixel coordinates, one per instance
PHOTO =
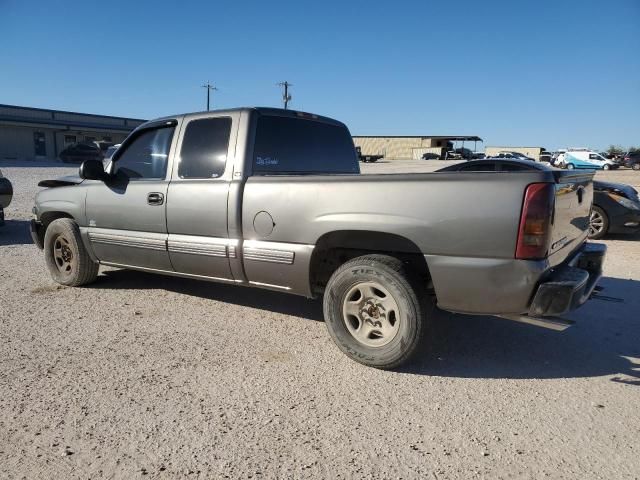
(61, 182)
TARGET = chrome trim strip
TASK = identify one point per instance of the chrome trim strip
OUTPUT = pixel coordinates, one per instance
(127, 241)
(272, 252)
(210, 250)
(207, 246)
(261, 284)
(268, 255)
(169, 272)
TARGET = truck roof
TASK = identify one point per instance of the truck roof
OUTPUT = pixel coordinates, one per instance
(261, 110)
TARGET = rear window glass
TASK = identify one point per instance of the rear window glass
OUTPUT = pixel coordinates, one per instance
(204, 148)
(291, 146)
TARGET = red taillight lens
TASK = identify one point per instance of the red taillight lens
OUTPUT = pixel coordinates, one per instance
(534, 233)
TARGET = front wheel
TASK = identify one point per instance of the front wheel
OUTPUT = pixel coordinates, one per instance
(636, 166)
(373, 313)
(570, 166)
(606, 167)
(66, 256)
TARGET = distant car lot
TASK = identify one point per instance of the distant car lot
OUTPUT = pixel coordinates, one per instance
(95, 379)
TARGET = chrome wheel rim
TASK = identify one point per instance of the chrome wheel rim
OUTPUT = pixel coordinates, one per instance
(596, 223)
(63, 255)
(371, 314)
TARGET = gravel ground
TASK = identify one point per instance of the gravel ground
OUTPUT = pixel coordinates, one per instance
(158, 377)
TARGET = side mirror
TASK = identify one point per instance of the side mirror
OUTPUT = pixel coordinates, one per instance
(92, 170)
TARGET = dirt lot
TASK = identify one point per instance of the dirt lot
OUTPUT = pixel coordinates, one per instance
(157, 377)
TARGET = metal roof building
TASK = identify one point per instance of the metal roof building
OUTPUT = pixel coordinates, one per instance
(35, 133)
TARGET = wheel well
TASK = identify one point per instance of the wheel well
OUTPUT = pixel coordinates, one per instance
(47, 217)
(336, 248)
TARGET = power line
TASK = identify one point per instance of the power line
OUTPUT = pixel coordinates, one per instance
(286, 97)
(209, 88)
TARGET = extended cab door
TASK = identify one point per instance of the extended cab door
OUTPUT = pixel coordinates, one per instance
(198, 241)
(126, 215)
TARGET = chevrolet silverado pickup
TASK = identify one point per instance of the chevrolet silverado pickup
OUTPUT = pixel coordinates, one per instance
(274, 199)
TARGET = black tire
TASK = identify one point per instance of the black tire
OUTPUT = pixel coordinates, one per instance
(636, 166)
(598, 223)
(66, 256)
(606, 167)
(408, 320)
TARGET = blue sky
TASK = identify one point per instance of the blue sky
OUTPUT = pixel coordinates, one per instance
(537, 73)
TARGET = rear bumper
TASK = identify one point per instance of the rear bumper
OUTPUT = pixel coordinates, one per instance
(507, 287)
(571, 284)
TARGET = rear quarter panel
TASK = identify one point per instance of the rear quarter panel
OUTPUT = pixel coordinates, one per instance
(474, 214)
(456, 219)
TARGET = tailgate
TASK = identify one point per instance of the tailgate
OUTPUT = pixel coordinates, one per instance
(574, 195)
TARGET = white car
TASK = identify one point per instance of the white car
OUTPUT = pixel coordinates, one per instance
(585, 159)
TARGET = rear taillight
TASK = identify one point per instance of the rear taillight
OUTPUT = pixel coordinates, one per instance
(534, 233)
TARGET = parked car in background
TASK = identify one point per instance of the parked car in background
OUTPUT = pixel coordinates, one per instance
(478, 155)
(514, 155)
(367, 158)
(557, 157)
(458, 154)
(79, 152)
(545, 157)
(430, 156)
(6, 194)
(615, 209)
(273, 199)
(586, 159)
(632, 160)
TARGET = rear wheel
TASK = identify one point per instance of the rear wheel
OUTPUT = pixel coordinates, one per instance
(598, 223)
(636, 166)
(373, 313)
(66, 256)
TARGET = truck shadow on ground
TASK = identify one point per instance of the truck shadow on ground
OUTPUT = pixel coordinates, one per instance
(237, 295)
(15, 232)
(604, 342)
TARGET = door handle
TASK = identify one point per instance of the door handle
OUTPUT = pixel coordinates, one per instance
(155, 198)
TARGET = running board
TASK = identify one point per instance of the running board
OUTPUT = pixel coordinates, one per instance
(553, 323)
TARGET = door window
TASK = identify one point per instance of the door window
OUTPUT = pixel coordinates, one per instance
(204, 148)
(146, 156)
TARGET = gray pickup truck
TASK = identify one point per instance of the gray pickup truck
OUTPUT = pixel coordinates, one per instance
(273, 199)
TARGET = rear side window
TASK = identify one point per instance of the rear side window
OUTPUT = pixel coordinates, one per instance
(478, 167)
(146, 156)
(297, 146)
(511, 167)
(204, 148)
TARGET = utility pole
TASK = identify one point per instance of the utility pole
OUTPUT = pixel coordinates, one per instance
(286, 98)
(209, 87)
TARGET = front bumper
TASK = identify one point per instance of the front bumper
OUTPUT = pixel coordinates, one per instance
(569, 285)
(37, 233)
